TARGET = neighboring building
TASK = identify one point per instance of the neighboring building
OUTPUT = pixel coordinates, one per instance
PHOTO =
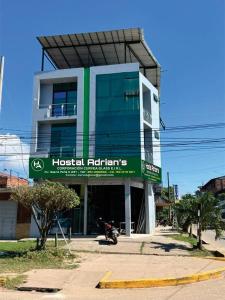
(217, 187)
(96, 126)
(14, 219)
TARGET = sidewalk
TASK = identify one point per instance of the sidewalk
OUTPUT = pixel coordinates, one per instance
(158, 244)
(211, 244)
(140, 256)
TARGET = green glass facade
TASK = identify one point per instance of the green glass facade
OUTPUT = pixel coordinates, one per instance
(117, 115)
(63, 140)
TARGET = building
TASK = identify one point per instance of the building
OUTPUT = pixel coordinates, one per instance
(217, 187)
(96, 126)
(14, 218)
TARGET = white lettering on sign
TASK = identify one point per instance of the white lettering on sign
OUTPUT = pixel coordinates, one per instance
(90, 162)
(106, 162)
(152, 168)
(68, 162)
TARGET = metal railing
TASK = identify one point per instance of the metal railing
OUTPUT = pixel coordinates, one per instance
(148, 156)
(59, 151)
(63, 151)
(147, 116)
(60, 110)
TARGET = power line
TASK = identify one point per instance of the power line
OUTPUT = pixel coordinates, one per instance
(172, 128)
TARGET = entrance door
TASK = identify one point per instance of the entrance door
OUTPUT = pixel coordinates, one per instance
(107, 202)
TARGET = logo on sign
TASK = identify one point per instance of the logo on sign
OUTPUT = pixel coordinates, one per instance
(37, 164)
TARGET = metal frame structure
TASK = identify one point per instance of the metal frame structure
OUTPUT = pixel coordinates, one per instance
(100, 48)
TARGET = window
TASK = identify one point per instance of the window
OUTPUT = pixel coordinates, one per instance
(156, 99)
(63, 140)
(117, 115)
(156, 134)
(64, 99)
(147, 104)
(148, 144)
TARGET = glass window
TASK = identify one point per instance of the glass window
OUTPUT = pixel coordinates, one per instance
(104, 91)
(117, 115)
(64, 99)
(155, 98)
(63, 140)
(156, 135)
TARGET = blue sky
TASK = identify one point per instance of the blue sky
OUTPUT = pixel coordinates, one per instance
(188, 39)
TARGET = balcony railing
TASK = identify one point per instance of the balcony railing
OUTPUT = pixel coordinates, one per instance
(148, 156)
(59, 151)
(61, 110)
(147, 116)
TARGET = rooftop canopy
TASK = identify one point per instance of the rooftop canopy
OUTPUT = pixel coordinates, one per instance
(101, 48)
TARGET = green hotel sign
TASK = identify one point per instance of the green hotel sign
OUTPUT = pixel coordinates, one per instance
(59, 167)
(151, 172)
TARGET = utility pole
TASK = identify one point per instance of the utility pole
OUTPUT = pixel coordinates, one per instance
(2, 60)
(168, 191)
(168, 185)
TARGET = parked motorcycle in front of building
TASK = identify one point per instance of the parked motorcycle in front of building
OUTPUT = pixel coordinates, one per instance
(110, 231)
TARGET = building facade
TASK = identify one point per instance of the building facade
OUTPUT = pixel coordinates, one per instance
(15, 220)
(217, 187)
(96, 126)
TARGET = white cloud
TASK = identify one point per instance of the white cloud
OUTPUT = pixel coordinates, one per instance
(14, 155)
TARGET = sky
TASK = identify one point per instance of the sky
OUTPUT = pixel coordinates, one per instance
(188, 40)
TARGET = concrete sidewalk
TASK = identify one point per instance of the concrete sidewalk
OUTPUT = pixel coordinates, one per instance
(81, 285)
(211, 243)
(163, 257)
(158, 244)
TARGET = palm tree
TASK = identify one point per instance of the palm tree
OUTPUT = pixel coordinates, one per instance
(210, 214)
(185, 211)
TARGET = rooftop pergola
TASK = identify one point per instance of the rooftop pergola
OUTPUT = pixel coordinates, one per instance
(101, 48)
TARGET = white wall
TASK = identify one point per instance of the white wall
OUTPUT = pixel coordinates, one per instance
(42, 95)
(155, 120)
(46, 93)
(44, 136)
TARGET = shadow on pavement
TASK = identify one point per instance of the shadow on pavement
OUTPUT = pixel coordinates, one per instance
(104, 242)
(169, 246)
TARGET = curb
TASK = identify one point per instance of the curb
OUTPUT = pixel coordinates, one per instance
(158, 282)
(104, 283)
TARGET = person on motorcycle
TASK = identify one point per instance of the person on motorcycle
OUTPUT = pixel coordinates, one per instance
(101, 225)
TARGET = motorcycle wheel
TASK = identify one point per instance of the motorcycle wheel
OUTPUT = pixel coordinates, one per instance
(115, 240)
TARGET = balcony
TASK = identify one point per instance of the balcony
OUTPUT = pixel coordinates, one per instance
(60, 110)
(148, 156)
(64, 151)
(147, 116)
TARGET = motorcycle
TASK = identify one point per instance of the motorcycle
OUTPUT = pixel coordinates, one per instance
(110, 231)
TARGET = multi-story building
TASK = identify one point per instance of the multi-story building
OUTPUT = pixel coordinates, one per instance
(96, 126)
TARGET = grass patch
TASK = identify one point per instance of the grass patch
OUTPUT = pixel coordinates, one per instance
(193, 242)
(204, 252)
(20, 257)
(184, 238)
(14, 282)
(24, 246)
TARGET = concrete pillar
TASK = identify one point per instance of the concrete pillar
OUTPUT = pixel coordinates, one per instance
(85, 207)
(127, 208)
(149, 208)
